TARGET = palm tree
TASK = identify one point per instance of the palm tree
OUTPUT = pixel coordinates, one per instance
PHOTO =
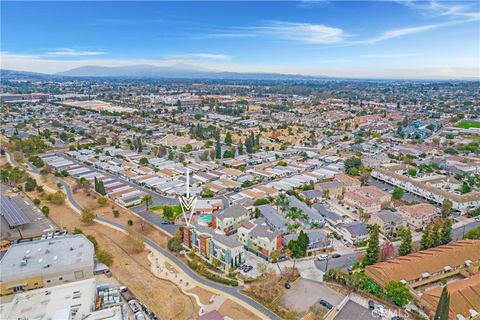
(147, 200)
(14, 175)
(282, 202)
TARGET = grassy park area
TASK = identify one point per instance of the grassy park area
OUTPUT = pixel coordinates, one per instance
(467, 124)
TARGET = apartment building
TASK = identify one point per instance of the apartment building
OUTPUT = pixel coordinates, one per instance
(349, 183)
(428, 266)
(259, 239)
(419, 215)
(370, 199)
(218, 249)
(395, 175)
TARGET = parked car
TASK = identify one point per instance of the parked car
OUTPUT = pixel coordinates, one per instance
(371, 304)
(287, 285)
(336, 255)
(323, 257)
(477, 218)
(134, 306)
(326, 304)
(248, 268)
(397, 318)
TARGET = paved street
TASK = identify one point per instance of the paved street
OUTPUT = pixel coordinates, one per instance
(342, 262)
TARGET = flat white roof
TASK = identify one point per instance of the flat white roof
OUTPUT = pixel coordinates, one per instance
(43, 257)
(53, 303)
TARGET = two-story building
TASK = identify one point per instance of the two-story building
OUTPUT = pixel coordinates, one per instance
(230, 219)
(259, 239)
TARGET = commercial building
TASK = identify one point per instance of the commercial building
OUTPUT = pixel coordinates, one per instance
(70, 301)
(46, 263)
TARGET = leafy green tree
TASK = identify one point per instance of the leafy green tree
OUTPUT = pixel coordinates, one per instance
(446, 208)
(412, 172)
(45, 211)
(102, 201)
(143, 161)
(465, 188)
(406, 244)
(303, 242)
(87, 216)
(228, 139)
(353, 162)
(398, 193)
(207, 193)
(373, 250)
(473, 234)
(443, 306)
(352, 171)
(398, 293)
(228, 154)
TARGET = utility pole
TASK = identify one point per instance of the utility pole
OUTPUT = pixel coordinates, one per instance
(326, 264)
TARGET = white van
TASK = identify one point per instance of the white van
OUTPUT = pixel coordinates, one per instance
(323, 257)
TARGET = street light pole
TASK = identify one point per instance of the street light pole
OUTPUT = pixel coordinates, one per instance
(326, 264)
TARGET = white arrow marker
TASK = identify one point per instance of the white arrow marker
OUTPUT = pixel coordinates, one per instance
(188, 203)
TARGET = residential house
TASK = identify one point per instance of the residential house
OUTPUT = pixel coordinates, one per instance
(332, 189)
(259, 239)
(318, 240)
(349, 183)
(354, 232)
(274, 219)
(230, 219)
(388, 221)
(419, 215)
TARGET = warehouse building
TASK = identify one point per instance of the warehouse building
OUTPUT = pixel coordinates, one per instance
(46, 263)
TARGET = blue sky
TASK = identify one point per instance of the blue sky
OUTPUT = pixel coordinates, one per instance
(392, 39)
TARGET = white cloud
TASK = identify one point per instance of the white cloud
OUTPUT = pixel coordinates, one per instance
(386, 55)
(305, 32)
(211, 56)
(68, 52)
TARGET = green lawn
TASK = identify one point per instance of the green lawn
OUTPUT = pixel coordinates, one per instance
(467, 124)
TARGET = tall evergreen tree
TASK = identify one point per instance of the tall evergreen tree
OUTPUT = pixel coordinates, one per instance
(95, 184)
(426, 241)
(249, 145)
(443, 305)
(373, 250)
(406, 245)
(303, 241)
(218, 149)
(436, 236)
(446, 234)
(101, 188)
(139, 144)
(240, 147)
(257, 140)
(228, 139)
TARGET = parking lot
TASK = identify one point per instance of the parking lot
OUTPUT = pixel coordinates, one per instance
(257, 263)
(305, 293)
(39, 223)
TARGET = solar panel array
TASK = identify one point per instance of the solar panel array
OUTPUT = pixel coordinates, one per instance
(12, 213)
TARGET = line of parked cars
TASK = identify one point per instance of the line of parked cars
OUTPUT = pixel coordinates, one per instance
(325, 256)
(245, 268)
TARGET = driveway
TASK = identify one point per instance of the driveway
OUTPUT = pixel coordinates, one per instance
(305, 293)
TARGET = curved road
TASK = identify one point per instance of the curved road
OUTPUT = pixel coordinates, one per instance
(233, 291)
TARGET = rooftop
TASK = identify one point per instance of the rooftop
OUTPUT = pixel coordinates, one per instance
(48, 256)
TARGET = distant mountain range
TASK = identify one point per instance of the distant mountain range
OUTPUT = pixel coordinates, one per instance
(144, 71)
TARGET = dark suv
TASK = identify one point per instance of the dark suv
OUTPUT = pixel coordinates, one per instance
(326, 304)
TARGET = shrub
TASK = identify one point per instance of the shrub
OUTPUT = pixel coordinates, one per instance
(87, 216)
(130, 222)
(45, 211)
(104, 257)
(77, 231)
(116, 213)
(36, 201)
(30, 184)
(102, 201)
